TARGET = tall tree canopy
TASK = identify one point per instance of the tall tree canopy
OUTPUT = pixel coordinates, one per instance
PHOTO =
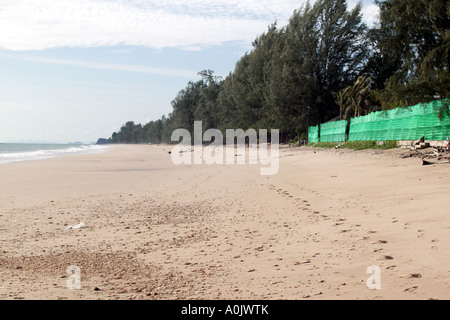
(415, 34)
(323, 64)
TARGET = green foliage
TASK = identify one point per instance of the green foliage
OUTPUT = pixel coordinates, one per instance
(363, 145)
(326, 52)
(360, 145)
(391, 144)
(356, 145)
(325, 63)
(130, 133)
(352, 100)
(415, 34)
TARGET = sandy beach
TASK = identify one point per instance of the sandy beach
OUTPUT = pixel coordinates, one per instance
(155, 230)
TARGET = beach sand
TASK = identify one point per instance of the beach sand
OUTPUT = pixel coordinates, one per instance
(154, 230)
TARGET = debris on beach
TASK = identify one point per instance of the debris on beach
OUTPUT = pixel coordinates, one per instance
(81, 225)
(427, 163)
(430, 153)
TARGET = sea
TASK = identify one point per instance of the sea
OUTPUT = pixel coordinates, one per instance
(11, 152)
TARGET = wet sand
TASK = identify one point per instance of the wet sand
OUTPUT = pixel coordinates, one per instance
(154, 230)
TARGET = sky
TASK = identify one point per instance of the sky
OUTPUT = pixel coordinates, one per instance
(77, 70)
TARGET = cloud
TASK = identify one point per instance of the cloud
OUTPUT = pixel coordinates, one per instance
(184, 24)
(105, 66)
(369, 10)
(371, 14)
(36, 25)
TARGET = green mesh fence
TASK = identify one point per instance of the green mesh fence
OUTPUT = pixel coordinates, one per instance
(410, 123)
(333, 131)
(313, 134)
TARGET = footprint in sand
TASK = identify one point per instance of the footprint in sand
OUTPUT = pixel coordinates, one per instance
(412, 289)
(391, 267)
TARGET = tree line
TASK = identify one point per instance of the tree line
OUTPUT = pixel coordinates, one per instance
(325, 64)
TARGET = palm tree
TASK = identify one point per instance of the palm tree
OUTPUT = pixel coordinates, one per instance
(342, 100)
(352, 98)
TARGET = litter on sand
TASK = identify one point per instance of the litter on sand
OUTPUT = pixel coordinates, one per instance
(78, 226)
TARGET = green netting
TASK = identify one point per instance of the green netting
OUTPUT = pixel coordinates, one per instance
(410, 123)
(333, 131)
(313, 134)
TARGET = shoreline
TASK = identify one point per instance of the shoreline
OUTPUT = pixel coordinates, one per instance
(155, 230)
(51, 151)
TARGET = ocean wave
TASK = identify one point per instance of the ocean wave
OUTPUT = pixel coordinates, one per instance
(50, 153)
